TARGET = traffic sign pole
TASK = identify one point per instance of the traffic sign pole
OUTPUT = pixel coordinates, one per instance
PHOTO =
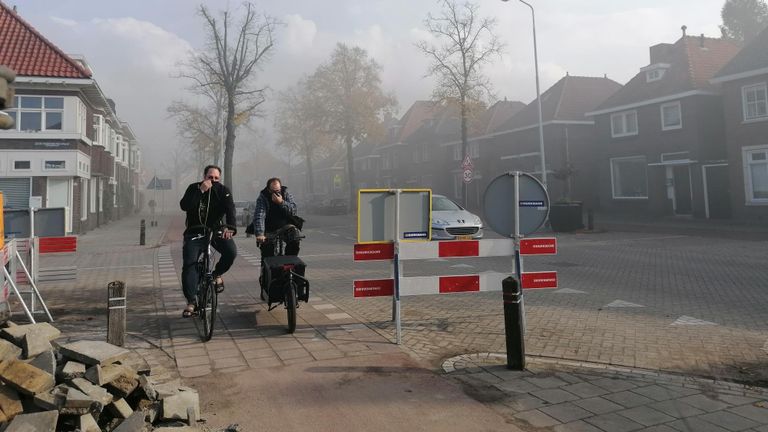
(396, 297)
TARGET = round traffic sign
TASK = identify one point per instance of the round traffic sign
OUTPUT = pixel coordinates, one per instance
(467, 175)
(499, 204)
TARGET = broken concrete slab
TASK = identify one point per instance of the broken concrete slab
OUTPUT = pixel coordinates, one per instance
(9, 351)
(147, 388)
(120, 409)
(25, 378)
(101, 375)
(98, 394)
(15, 334)
(122, 386)
(134, 423)
(88, 424)
(93, 352)
(34, 342)
(79, 402)
(72, 370)
(151, 409)
(10, 402)
(45, 361)
(39, 422)
(175, 407)
(138, 363)
(50, 400)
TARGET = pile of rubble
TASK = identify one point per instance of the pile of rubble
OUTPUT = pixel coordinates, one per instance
(86, 386)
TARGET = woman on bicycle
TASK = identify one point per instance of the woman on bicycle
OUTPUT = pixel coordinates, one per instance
(206, 203)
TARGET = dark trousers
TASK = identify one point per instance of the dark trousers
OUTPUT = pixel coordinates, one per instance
(192, 250)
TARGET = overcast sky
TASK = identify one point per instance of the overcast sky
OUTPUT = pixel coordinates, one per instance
(133, 46)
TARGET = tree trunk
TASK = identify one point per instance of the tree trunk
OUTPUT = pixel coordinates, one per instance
(464, 149)
(310, 176)
(229, 145)
(350, 172)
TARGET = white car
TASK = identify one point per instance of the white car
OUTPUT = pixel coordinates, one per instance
(451, 221)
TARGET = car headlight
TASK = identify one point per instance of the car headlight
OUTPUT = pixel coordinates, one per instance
(439, 222)
(478, 221)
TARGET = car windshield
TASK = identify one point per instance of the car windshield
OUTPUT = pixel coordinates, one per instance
(444, 204)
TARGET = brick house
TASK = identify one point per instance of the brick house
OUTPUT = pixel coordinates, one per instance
(68, 147)
(661, 137)
(743, 83)
(568, 138)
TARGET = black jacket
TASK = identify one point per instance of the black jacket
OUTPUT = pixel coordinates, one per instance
(221, 204)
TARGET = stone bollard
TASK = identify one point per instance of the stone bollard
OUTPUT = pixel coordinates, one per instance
(116, 312)
(143, 233)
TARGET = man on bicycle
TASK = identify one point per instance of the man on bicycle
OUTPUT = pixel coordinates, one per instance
(275, 208)
(206, 203)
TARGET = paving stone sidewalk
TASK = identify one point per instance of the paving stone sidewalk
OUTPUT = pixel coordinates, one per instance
(565, 396)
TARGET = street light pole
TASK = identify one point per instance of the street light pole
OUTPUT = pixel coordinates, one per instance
(538, 96)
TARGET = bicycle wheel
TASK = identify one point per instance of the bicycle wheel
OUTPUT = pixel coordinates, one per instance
(290, 306)
(208, 310)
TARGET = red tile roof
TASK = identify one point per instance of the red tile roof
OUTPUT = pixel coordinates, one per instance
(692, 60)
(29, 53)
(567, 100)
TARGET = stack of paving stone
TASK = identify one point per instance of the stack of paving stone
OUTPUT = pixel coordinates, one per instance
(90, 386)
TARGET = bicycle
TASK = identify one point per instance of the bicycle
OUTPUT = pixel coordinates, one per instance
(282, 280)
(207, 297)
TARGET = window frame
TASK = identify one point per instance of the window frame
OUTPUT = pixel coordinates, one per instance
(744, 104)
(746, 153)
(624, 115)
(679, 106)
(613, 177)
(29, 162)
(18, 111)
(63, 167)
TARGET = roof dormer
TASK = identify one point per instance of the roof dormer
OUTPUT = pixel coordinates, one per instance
(655, 72)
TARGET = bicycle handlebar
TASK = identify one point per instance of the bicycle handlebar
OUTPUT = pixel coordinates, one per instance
(218, 232)
(281, 232)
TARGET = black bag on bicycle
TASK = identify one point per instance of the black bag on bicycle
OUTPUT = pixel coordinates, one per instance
(275, 268)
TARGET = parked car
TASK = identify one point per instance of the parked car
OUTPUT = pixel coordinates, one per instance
(451, 221)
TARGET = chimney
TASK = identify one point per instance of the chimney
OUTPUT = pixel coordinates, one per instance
(684, 28)
(660, 53)
(701, 40)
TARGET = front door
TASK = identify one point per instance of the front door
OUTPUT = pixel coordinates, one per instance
(681, 177)
(718, 191)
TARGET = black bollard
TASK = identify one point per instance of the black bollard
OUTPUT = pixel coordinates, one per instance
(590, 220)
(513, 323)
(143, 233)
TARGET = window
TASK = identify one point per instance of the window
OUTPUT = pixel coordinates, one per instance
(55, 165)
(624, 124)
(474, 150)
(424, 153)
(37, 113)
(671, 117)
(386, 162)
(628, 178)
(457, 152)
(83, 199)
(22, 165)
(654, 75)
(755, 102)
(756, 174)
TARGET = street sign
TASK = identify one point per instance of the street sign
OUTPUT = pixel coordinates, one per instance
(467, 175)
(501, 196)
(159, 184)
(374, 251)
(537, 280)
(538, 246)
(467, 163)
(377, 219)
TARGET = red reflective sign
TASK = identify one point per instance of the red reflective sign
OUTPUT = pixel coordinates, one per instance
(458, 248)
(538, 246)
(453, 284)
(374, 287)
(374, 251)
(537, 280)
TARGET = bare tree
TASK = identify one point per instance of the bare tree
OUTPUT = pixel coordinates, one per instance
(201, 127)
(350, 87)
(463, 43)
(299, 123)
(235, 50)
